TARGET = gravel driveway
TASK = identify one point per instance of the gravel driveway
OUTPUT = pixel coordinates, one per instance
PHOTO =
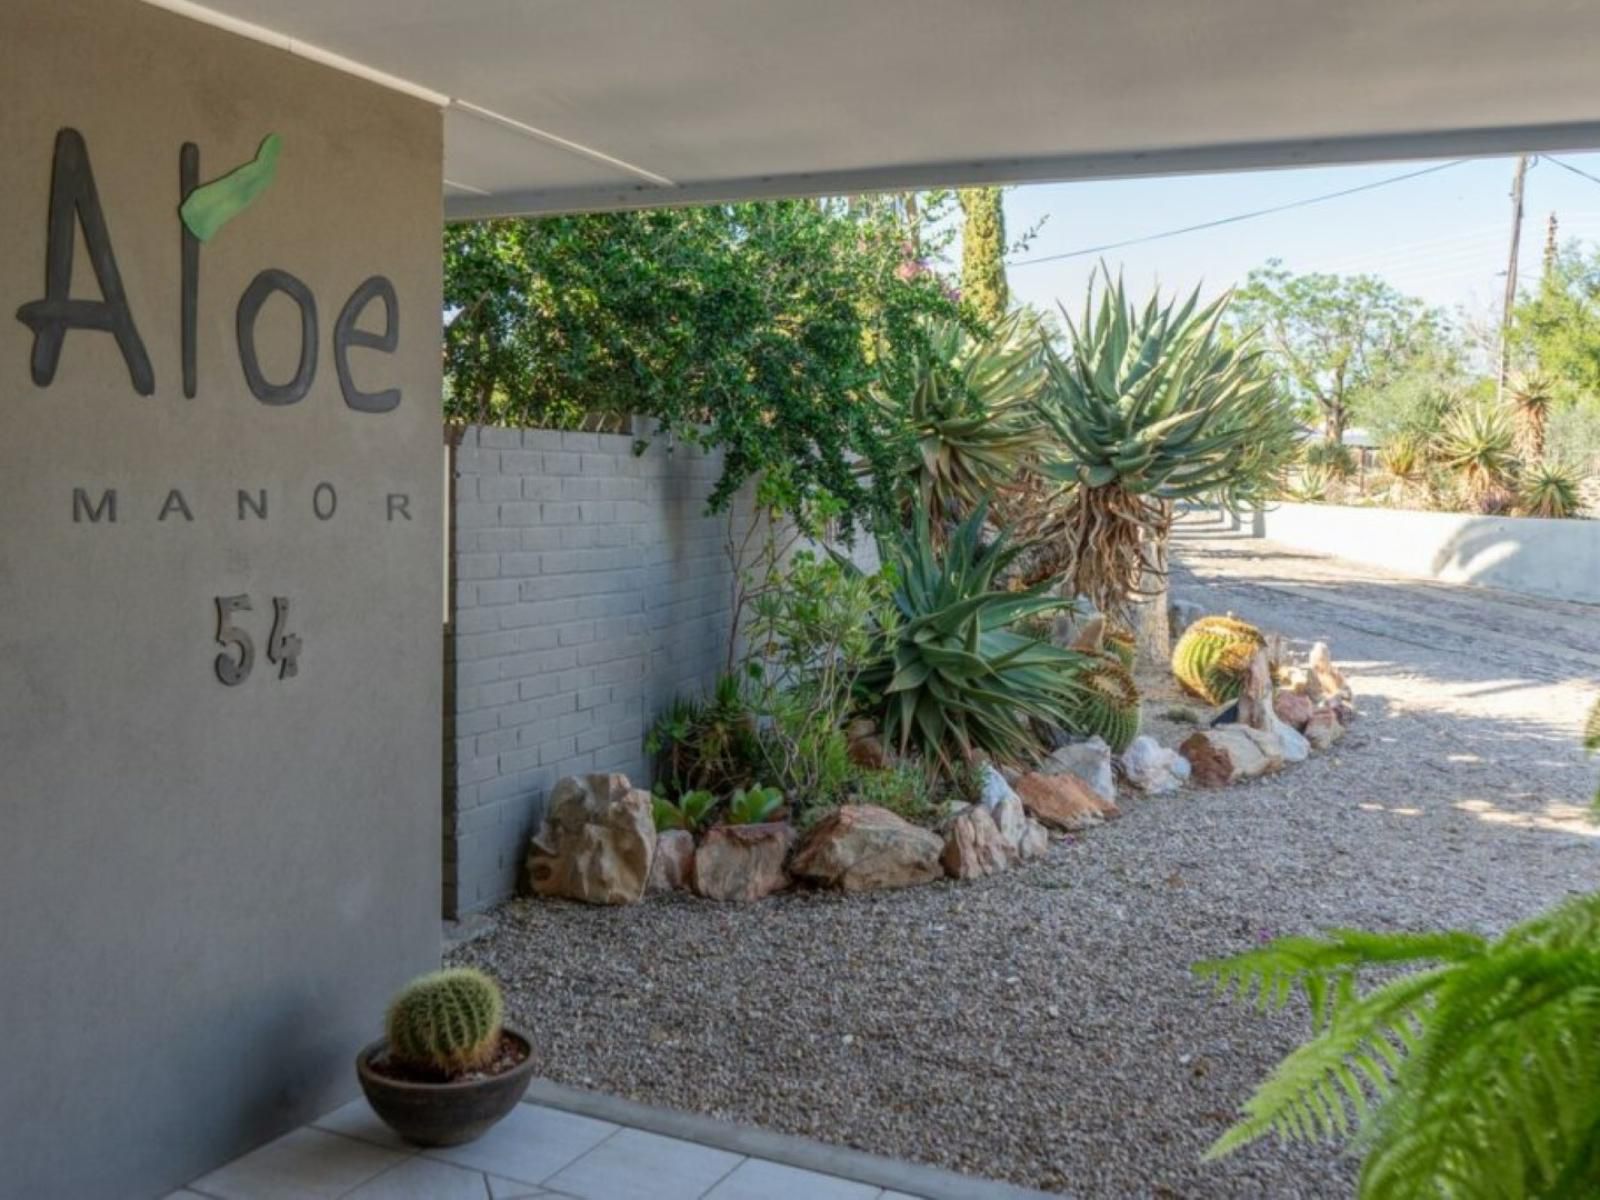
(1042, 1027)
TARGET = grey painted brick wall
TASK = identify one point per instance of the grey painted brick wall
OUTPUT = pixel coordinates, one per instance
(588, 587)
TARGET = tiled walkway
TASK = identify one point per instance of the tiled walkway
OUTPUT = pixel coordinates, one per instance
(545, 1151)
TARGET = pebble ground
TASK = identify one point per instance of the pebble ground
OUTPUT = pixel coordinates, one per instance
(1043, 1027)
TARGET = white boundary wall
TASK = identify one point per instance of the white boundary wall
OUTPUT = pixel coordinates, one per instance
(1559, 559)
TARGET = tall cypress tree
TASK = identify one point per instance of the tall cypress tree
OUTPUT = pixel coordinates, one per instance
(983, 248)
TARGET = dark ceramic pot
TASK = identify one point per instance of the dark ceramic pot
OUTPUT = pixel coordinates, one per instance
(443, 1114)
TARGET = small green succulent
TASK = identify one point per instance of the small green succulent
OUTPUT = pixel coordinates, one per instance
(691, 812)
(754, 806)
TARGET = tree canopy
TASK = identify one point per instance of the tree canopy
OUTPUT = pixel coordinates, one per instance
(755, 328)
(1335, 339)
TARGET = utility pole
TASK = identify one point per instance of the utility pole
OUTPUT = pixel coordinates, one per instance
(1511, 271)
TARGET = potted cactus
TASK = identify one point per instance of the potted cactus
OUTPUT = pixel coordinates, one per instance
(448, 1068)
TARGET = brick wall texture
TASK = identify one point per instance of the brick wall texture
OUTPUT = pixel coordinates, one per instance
(587, 588)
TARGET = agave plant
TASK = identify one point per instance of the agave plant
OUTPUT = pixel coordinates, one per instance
(1532, 397)
(1548, 490)
(1337, 459)
(1151, 407)
(952, 677)
(1311, 486)
(972, 415)
(1478, 446)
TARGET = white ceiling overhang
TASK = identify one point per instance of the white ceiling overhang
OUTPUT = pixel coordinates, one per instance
(565, 105)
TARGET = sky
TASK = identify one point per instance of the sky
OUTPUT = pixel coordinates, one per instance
(1443, 236)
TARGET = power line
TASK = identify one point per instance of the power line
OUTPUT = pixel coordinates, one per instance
(1245, 216)
(1566, 166)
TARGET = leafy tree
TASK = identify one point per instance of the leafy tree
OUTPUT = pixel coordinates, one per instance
(1557, 326)
(983, 250)
(1335, 339)
(758, 329)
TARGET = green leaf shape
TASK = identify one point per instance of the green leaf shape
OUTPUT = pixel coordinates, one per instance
(212, 205)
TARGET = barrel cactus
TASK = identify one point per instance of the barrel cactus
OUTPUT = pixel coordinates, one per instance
(1123, 644)
(1109, 706)
(447, 1021)
(1213, 656)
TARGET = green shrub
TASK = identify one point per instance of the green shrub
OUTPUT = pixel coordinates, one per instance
(1335, 458)
(754, 806)
(691, 812)
(903, 789)
(949, 676)
(447, 1021)
(1213, 656)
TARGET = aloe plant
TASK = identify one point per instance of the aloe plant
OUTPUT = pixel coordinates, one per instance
(1532, 396)
(1478, 446)
(1548, 490)
(971, 415)
(1150, 407)
(953, 677)
(753, 806)
(691, 812)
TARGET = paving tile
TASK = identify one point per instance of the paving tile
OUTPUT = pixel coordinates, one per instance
(308, 1164)
(758, 1179)
(510, 1189)
(424, 1179)
(635, 1165)
(530, 1145)
(357, 1120)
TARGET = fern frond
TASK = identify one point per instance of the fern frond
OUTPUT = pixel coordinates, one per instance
(1325, 967)
(1476, 1079)
(1305, 1097)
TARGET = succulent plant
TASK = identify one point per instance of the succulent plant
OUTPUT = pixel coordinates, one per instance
(1213, 656)
(1548, 490)
(447, 1021)
(1151, 407)
(1337, 459)
(1311, 487)
(1532, 396)
(1109, 705)
(754, 806)
(953, 676)
(691, 811)
(1123, 645)
(971, 414)
(1478, 446)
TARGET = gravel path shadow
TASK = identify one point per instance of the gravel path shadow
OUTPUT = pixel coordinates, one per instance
(1043, 1027)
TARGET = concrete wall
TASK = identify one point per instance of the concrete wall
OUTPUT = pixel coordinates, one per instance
(209, 891)
(1559, 559)
(589, 589)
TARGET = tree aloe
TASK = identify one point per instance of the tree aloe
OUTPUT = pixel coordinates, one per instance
(1150, 407)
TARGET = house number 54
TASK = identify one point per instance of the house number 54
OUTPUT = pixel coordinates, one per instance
(283, 647)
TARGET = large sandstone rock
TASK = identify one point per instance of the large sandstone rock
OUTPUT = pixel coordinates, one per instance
(1035, 841)
(1324, 729)
(1293, 709)
(1324, 681)
(1153, 768)
(1064, 802)
(672, 869)
(974, 846)
(1090, 761)
(743, 862)
(597, 841)
(1255, 693)
(1230, 753)
(1003, 804)
(861, 847)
